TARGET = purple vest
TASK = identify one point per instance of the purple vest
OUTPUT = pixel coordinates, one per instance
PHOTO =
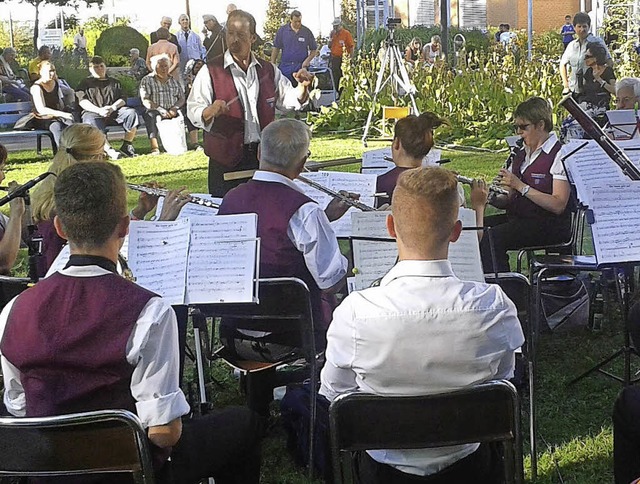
(275, 204)
(538, 176)
(387, 184)
(224, 142)
(67, 336)
(52, 244)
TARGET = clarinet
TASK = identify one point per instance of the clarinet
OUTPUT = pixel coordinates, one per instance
(515, 150)
(493, 189)
(162, 192)
(590, 127)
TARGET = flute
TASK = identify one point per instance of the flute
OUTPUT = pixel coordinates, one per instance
(496, 189)
(337, 196)
(162, 192)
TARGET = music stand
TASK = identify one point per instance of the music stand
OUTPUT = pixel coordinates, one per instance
(623, 123)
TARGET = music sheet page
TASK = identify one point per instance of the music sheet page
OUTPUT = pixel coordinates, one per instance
(157, 257)
(372, 260)
(616, 210)
(222, 259)
(464, 254)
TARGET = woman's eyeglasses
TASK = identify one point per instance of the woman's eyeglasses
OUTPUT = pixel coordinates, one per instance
(521, 127)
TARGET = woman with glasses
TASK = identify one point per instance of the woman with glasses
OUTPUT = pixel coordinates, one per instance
(598, 81)
(537, 212)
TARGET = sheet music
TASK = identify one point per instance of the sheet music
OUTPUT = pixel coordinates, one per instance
(375, 158)
(372, 260)
(370, 224)
(432, 158)
(616, 210)
(191, 210)
(622, 123)
(464, 254)
(589, 167)
(63, 257)
(222, 259)
(158, 257)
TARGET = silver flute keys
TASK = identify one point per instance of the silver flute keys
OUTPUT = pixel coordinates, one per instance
(162, 192)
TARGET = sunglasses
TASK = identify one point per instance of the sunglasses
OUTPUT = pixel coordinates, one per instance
(521, 127)
(588, 56)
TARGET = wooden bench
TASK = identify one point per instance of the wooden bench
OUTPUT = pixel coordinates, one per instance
(12, 112)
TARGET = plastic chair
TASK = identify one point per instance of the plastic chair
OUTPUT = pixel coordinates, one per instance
(106, 441)
(285, 306)
(484, 413)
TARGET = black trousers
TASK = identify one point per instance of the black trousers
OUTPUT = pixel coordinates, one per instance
(336, 70)
(626, 436)
(481, 466)
(224, 445)
(510, 233)
(218, 187)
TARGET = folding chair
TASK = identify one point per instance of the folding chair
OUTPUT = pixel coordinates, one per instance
(517, 288)
(484, 413)
(285, 306)
(10, 287)
(105, 441)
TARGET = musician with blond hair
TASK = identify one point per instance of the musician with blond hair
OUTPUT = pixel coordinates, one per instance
(296, 238)
(422, 331)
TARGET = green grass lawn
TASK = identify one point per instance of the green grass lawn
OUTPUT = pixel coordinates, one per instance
(575, 436)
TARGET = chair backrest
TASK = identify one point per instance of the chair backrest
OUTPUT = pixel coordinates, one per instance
(484, 413)
(104, 441)
(517, 288)
(284, 306)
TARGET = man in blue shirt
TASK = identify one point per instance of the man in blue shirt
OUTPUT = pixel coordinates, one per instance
(190, 43)
(297, 44)
(567, 31)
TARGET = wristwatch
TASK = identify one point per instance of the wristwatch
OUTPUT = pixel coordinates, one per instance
(525, 189)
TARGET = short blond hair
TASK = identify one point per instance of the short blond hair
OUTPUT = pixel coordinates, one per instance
(425, 206)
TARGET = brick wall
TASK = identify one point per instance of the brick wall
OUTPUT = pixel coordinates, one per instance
(547, 14)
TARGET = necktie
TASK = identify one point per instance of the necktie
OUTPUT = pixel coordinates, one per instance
(186, 36)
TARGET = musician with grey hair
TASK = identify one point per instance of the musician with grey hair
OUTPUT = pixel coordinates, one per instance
(628, 93)
(296, 237)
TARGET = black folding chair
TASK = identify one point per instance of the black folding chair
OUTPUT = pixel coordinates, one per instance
(284, 307)
(484, 413)
(101, 442)
(10, 287)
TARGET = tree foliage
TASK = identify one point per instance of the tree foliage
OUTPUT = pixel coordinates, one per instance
(61, 3)
(348, 15)
(277, 16)
(114, 45)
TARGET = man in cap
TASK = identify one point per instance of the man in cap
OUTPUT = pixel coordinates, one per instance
(138, 65)
(298, 46)
(214, 42)
(165, 23)
(340, 41)
(189, 41)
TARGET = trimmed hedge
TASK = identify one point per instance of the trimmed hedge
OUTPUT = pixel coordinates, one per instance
(114, 44)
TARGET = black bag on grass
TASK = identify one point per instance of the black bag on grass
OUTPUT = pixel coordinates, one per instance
(565, 301)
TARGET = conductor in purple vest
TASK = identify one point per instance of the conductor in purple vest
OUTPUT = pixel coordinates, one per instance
(296, 238)
(235, 98)
(537, 211)
(87, 339)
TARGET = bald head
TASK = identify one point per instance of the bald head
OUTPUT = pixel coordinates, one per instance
(425, 208)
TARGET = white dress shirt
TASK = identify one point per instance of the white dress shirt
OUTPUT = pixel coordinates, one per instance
(309, 230)
(248, 86)
(557, 168)
(422, 331)
(152, 349)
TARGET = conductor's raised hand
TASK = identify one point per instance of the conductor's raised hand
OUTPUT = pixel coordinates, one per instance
(337, 208)
(173, 203)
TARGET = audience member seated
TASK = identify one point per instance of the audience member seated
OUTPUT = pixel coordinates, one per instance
(48, 105)
(104, 104)
(537, 209)
(422, 331)
(125, 353)
(296, 238)
(432, 51)
(10, 227)
(599, 81)
(44, 54)
(138, 65)
(11, 84)
(412, 141)
(413, 52)
(162, 96)
(628, 93)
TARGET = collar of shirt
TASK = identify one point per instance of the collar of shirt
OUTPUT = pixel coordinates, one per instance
(270, 176)
(418, 268)
(84, 271)
(546, 147)
(229, 60)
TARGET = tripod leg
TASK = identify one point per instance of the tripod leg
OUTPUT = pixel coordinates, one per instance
(376, 91)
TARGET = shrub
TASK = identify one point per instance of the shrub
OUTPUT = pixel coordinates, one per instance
(130, 85)
(114, 44)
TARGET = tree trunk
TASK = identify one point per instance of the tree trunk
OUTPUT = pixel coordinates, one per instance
(36, 30)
